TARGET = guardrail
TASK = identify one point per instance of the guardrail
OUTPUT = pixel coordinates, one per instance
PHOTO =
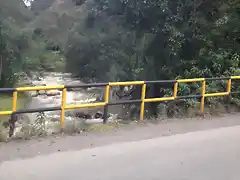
(106, 101)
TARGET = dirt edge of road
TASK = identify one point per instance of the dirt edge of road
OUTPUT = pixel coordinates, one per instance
(132, 132)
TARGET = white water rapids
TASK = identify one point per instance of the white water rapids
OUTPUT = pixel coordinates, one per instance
(53, 98)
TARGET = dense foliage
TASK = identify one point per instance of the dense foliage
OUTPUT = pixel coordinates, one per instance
(124, 40)
(120, 40)
(12, 42)
(127, 40)
(22, 49)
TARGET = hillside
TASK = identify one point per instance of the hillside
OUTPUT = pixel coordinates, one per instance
(56, 18)
(21, 48)
(40, 6)
(15, 13)
(14, 16)
(122, 40)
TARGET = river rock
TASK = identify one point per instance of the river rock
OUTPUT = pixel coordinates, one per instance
(83, 115)
(98, 115)
(93, 121)
(80, 113)
(86, 113)
(51, 98)
(162, 110)
(113, 117)
(53, 93)
(41, 92)
(33, 93)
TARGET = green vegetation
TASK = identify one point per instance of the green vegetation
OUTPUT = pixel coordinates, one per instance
(6, 103)
(121, 40)
(21, 48)
(156, 40)
(124, 40)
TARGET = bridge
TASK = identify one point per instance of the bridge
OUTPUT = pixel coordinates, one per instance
(106, 103)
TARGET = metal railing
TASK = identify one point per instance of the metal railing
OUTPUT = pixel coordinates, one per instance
(106, 101)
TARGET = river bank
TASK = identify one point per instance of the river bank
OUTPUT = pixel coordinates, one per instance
(48, 122)
(78, 120)
(6, 104)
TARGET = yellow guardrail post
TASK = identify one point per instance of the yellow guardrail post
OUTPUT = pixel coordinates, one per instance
(229, 87)
(229, 84)
(106, 102)
(175, 90)
(14, 102)
(143, 101)
(203, 96)
(64, 95)
(13, 118)
(106, 99)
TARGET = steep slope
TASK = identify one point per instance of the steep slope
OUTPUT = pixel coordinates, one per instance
(14, 15)
(15, 12)
(56, 18)
(39, 6)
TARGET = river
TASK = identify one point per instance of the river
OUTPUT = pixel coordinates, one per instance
(73, 118)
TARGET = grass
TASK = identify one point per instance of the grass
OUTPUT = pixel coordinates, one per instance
(6, 104)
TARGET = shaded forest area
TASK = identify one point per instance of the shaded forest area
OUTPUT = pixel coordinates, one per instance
(122, 40)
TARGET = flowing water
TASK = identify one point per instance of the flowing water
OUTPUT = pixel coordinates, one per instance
(52, 98)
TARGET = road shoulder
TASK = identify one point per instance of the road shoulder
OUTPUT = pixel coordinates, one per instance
(134, 132)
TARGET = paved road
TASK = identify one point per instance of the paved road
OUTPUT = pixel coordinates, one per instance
(202, 155)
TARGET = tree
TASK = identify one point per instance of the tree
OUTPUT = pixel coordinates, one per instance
(12, 42)
(165, 40)
(9, 59)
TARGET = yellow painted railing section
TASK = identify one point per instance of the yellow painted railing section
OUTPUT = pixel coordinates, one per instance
(143, 99)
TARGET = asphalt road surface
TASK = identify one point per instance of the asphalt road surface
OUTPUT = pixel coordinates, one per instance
(202, 155)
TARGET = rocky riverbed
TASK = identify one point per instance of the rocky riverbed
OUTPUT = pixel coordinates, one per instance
(48, 122)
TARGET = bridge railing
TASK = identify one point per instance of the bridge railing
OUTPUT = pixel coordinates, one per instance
(106, 101)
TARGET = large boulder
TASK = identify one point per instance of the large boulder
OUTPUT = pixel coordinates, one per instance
(79, 113)
(98, 115)
(41, 92)
(91, 113)
(53, 93)
(33, 93)
(83, 115)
